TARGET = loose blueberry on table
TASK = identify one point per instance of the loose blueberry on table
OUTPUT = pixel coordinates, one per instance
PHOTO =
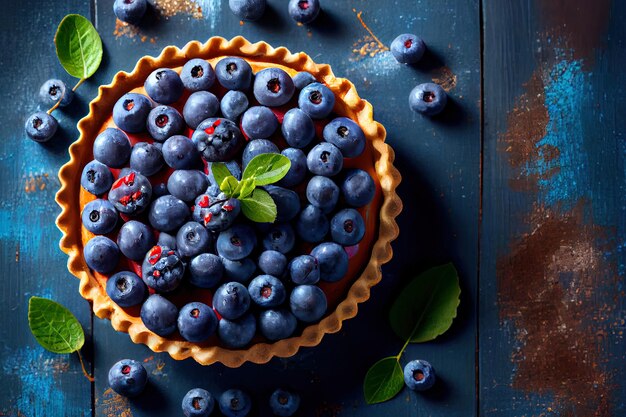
(128, 377)
(419, 375)
(198, 403)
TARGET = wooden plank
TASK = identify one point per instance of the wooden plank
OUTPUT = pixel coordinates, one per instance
(551, 316)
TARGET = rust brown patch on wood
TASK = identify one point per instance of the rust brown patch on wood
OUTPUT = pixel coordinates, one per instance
(444, 77)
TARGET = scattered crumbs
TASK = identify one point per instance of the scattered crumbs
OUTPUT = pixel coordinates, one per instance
(327, 410)
(148, 359)
(17, 252)
(114, 405)
(130, 31)
(309, 34)
(367, 46)
(373, 49)
(36, 182)
(158, 369)
(444, 77)
(169, 8)
(299, 24)
(241, 22)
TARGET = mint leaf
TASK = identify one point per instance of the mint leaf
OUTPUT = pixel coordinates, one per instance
(259, 207)
(219, 171)
(267, 168)
(78, 46)
(383, 381)
(246, 187)
(427, 305)
(54, 326)
(229, 185)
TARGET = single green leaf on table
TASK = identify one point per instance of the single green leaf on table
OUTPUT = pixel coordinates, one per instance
(78, 46)
(220, 171)
(259, 207)
(383, 381)
(427, 305)
(54, 326)
(229, 185)
(267, 168)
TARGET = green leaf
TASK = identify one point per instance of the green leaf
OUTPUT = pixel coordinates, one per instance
(427, 305)
(54, 326)
(246, 188)
(267, 168)
(220, 171)
(229, 185)
(78, 46)
(259, 207)
(383, 381)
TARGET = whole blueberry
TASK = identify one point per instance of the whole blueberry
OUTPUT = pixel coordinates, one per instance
(429, 99)
(236, 242)
(146, 158)
(233, 73)
(197, 322)
(358, 188)
(200, 106)
(322, 192)
(233, 104)
(284, 403)
(304, 11)
(257, 147)
(126, 289)
(302, 79)
(332, 260)
(54, 90)
(131, 111)
(165, 239)
(408, 48)
(297, 170)
(267, 291)
(279, 237)
(345, 134)
(187, 184)
(247, 9)
(287, 202)
(99, 217)
(259, 122)
(273, 263)
(216, 213)
(135, 239)
(316, 100)
(101, 254)
(131, 193)
(277, 324)
(218, 140)
(206, 270)
(41, 126)
(164, 86)
(192, 239)
(304, 269)
(237, 333)
(198, 403)
(112, 148)
(419, 375)
(168, 213)
(179, 152)
(238, 271)
(347, 227)
(324, 159)
(197, 75)
(159, 315)
(308, 303)
(128, 377)
(298, 128)
(273, 87)
(162, 269)
(130, 11)
(96, 178)
(312, 225)
(231, 300)
(235, 403)
(163, 122)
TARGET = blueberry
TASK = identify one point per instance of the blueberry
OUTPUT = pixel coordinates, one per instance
(324, 159)
(216, 213)
(284, 403)
(235, 403)
(165, 239)
(126, 289)
(41, 126)
(179, 152)
(298, 128)
(233, 73)
(287, 202)
(279, 237)
(233, 104)
(187, 184)
(308, 303)
(419, 375)
(162, 269)
(164, 86)
(197, 322)
(332, 260)
(312, 225)
(358, 188)
(198, 403)
(239, 271)
(128, 377)
(168, 213)
(163, 122)
(131, 111)
(200, 106)
(304, 269)
(347, 227)
(247, 9)
(101, 254)
(316, 100)
(297, 171)
(257, 147)
(273, 263)
(304, 11)
(54, 90)
(237, 242)
(130, 11)
(322, 192)
(429, 99)
(131, 193)
(159, 315)
(206, 270)
(231, 300)
(192, 239)
(197, 75)
(146, 159)
(277, 324)
(96, 178)
(408, 48)
(237, 333)
(112, 148)
(267, 291)
(135, 239)
(345, 134)
(99, 217)
(302, 79)
(217, 139)
(259, 122)
(273, 87)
